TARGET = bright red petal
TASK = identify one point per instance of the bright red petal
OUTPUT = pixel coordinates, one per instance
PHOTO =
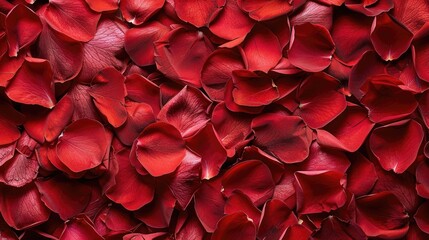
(19, 170)
(102, 6)
(137, 12)
(265, 10)
(235, 226)
(198, 13)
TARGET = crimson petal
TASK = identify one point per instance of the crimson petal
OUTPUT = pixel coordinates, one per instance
(102, 6)
(411, 16)
(196, 12)
(421, 217)
(141, 89)
(265, 10)
(421, 52)
(58, 118)
(361, 166)
(239, 202)
(19, 170)
(235, 226)
(137, 12)
(276, 218)
(336, 229)
(80, 228)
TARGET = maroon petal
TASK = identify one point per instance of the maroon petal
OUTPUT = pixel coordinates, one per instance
(137, 12)
(421, 217)
(86, 139)
(276, 218)
(141, 89)
(196, 12)
(33, 84)
(297, 232)
(160, 148)
(276, 167)
(265, 10)
(187, 111)
(239, 202)
(74, 19)
(235, 226)
(319, 100)
(231, 23)
(289, 144)
(422, 185)
(262, 49)
(31, 212)
(370, 8)
(389, 38)
(139, 42)
(361, 166)
(10, 118)
(413, 18)
(336, 229)
(58, 118)
(112, 220)
(80, 228)
(396, 145)
(319, 191)
(102, 6)
(64, 196)
(388, 221)
(19, 170)
(253, 178)
(180, 55)
(23, 27)
(191, 227)
(421, 52)
(312, 54)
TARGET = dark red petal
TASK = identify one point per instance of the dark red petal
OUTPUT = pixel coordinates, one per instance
(336, 229)
(102, 6)
(251, 177)
(139, 42)
(297, 232)
(289, 144)
(82, 145)
(276, 218)
(313, 13)
(422, 185)
(131, 190)
(319, 191)
(187, 111)
(198, 13)
(231, 23)
(262, 49)
(396, 145)
(112, 220)
(217, 69)
(239, 202)
(276, 167)
(58, 118)
(319, 100)
(361, 166)
(265, 10)
(80, 228)
(64, 196)
(72, 18)
(137, 12)
(388, 221)
(19, 170)
(23, 27)
(10, 132)
(332, 2)
(192, 227)
(9, 66)
(160, 148)
(235, 226)
(348, 131)
(411, 16)
(370, 8)
(33, 84)
(421, 217)
(421, 52)
(141, 89)
(389, 38)
(312, 54)
(7, 152)
(180, 55)
(31, 212)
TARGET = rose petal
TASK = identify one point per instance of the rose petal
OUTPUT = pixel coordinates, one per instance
(297, 232)
(422, 185)
(335, 229)
(361, 166)
(196, 12)
(137, 12)
(421, 52)
(421, 217)
(313, 13)
(102, 6)
(276, 218)
(239, 202)
(7, 152)
(19, 170)
(234, 226)
(58, 118)
(411, 16)
(266, 10)
(80, 228)
(141, 89)
(373, 9)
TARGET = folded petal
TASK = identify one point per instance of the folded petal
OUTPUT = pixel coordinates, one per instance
(19, 170)
(265, 10)
(311, 54)
(9, 67)
(336, 229)
(297, 232)
(235, 226)
(421, 52)
(80, 228)
(276, 218)
(396, 145)
(356, 183)
(58, 118)
(239, 202)
(196, 12)
(141, 89)
(137, 12)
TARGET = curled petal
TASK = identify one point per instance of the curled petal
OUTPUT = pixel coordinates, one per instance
(198, 13)
(58, 118)
(137, 12)
(19, 170)
(276, 218)
(265, 10)
(235, 226)
(141, 89)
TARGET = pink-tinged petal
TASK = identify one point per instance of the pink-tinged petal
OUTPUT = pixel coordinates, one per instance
(231, 23)
(141, 89)
(421, 217)
(235, 226)
(80, 228)
(369, 65)
(336, 229)
(106, 49)
(22, 208)
(290, 144)
(239, 202)
(324, 159)
(262, 49)
(138, 12)
(9, 67)
(361, 166)
(253, 178)
(276, 167)
(139, 42)
(19, 170)
(388, 221)
(209, 204)
(276, 218)
(319, 100)
(386, 100)
(370, 8)
(389, 38)
(86, 108)
(314, 13)
(131, 190)
(180, 55)
(187, 111)
(233, 128)
(422, 185)
(265, 10)
(314, 53)
(72, 18)
(82, 145)
(319, 191)
(23, 27)
(26, 145)
(348, 131)
(217, 70)
(413, 14)
(297, 232)
(58, 118)
(33, 84)
(160, 148)
(64, 196)
(207, 144)
(7, 152)
(198, 13)
(185, 181)
(191, 228)
(109, 96)
(421, 52)
(351, 35)
(102, 6)
(64, 54)
(396, 145)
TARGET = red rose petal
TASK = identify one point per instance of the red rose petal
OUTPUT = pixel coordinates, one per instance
(421, 217)
(234, 226)
(239, 202)
(335, 229)
(314, 13)
(262, 11)
(421, 52)
(137, 12)
(9, 66)
(409, 15)
(80, 228)
(297, 232)
(370, 8)
(19, 170)
(196, 12)
(102, 6)
(422, 185)
(361, 166)
(7, 152)
(276, 218)
(58, 118)
(141, 89)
